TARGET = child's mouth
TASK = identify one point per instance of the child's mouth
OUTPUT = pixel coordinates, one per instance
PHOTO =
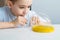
(21, 15)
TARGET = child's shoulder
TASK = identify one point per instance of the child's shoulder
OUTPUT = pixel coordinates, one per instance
(2, 10)
(2, 13)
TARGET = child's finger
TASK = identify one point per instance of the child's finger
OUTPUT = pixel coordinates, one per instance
(33, 20)
(36, 20)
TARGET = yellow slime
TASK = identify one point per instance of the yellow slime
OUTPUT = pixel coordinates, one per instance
(43, 28)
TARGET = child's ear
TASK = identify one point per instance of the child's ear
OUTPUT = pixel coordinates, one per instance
(9, 4)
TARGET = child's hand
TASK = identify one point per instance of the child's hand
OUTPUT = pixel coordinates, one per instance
(20, 21)
(35, 20)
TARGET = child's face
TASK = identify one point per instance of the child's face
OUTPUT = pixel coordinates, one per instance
(20, 7)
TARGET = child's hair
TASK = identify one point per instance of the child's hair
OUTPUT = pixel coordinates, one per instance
(13, 1)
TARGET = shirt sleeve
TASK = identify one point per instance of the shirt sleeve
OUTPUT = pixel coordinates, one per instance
(1, 15)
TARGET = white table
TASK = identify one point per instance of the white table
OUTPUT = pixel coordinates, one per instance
(28, 34)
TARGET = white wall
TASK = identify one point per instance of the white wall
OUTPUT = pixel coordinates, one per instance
(50, 7)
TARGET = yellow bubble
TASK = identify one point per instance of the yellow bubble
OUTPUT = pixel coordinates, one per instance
(43, 28)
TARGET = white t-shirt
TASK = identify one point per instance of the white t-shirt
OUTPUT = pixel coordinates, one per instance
(7, 16)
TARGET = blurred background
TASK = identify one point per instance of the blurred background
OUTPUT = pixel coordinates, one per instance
(49, 7)
(2, 2)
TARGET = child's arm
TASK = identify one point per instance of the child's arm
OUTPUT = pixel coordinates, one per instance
(18, 21)
(7, 25)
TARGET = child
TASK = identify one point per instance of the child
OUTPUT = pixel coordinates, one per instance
(17, 12)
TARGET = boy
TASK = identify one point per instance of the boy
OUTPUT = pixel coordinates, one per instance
(17, 12)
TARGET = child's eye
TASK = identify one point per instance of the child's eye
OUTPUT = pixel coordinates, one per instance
(29, 6)
(21, 7)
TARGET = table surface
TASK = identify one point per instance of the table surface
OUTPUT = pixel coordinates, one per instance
(28, 34)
